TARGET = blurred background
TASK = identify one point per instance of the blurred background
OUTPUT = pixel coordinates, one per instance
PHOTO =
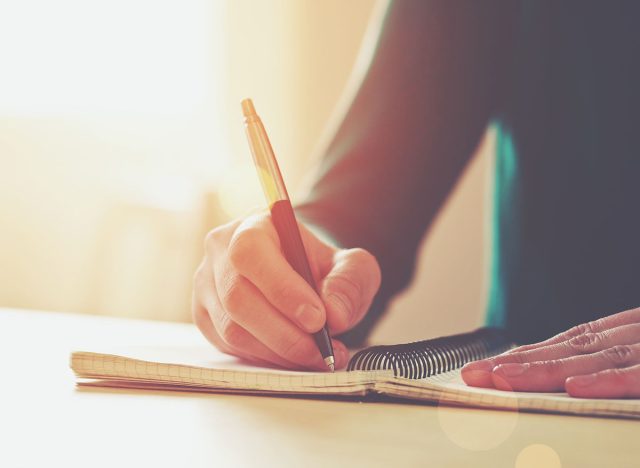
(121, 145)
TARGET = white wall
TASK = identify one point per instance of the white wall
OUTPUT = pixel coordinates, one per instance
(104, 212)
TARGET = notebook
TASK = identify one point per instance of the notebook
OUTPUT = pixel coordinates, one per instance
(426, 371)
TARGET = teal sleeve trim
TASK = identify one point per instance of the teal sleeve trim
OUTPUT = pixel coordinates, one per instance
(504, 196)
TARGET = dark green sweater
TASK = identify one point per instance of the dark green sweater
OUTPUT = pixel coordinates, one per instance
(560, 82)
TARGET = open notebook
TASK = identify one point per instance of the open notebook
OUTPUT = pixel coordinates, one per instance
(427, 370)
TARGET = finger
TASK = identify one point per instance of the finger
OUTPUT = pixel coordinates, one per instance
(217, 239)
(204, 323)
(582, 344)
(239, 342)
(256, 255)
(349, 288)
(623, 318)
(550, 376)
(248, 308)
(222, 332)
(611, 383)
(478, 373)
(203, 285)
(217, 243)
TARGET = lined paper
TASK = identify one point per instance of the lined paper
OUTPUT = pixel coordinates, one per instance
(200, 370)
(449, 388)
(89, 365)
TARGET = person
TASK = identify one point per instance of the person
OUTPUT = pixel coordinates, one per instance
(559, 83)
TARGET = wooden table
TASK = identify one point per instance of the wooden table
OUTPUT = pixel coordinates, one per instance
(46, 421)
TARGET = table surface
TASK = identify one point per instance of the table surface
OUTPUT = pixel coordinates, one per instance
(46, 420)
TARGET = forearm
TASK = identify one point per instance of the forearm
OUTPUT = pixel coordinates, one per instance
(411, 129)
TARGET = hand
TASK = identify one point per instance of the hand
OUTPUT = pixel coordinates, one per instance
(248, 301)
(599, 359)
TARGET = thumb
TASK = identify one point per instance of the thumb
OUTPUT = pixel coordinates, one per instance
(348, 289)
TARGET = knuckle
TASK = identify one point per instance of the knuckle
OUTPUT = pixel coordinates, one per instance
(232, 333)
(553, 366)
(242, 246)
(234, 296)
(584, 328)
(618, 355)
(577, 330)
(198, 275)
(584, 343)
(211, 240)
(199, 315)
(203, 275)
(203, 321)
(599, 325)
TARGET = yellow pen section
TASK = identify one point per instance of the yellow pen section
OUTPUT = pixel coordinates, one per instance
(263, 156)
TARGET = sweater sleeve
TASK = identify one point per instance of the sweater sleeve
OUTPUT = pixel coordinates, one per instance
(428, 95)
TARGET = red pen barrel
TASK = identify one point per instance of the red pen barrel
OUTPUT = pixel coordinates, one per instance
(282, 213)
(293, 249)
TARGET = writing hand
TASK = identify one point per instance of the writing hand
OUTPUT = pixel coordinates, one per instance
(248, 301)
(599, 359)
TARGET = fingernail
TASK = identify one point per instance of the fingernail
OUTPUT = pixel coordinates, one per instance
(478, 373)
(582, 380)
(308, 317)
(484, 365)
(511, 369)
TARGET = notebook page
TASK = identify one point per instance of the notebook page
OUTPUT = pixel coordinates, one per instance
(204, 368)
(449, 388)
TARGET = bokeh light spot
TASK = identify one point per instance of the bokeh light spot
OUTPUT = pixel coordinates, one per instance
(538, 456)
(470, 430)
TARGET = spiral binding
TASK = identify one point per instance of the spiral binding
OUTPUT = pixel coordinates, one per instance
(422, 359)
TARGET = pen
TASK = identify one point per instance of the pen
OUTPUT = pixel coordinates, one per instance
(282, 214)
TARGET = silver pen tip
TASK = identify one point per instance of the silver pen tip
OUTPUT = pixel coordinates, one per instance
(330, 362)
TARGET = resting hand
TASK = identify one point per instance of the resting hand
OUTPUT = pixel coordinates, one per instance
(599, 359)
(249, 302)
